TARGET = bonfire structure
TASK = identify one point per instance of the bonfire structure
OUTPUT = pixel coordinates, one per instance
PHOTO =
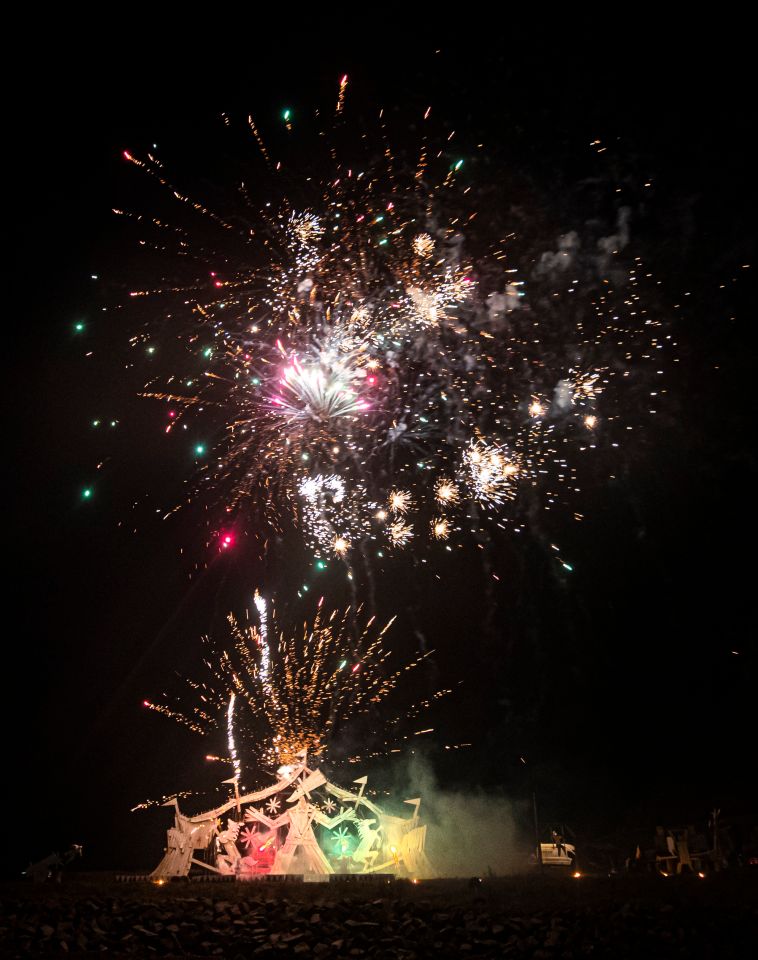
(274, 832)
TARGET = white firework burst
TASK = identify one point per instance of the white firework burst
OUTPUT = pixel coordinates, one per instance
(490, 472)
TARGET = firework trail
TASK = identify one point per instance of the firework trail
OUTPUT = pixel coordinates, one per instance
(231, 743)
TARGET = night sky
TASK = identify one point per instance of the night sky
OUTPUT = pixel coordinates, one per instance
(629, 685)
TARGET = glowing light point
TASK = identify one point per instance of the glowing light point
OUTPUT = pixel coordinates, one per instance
(199, 449)
(87, 493)
(78, 327)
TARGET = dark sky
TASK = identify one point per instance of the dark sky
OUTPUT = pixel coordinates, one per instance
(619, 683)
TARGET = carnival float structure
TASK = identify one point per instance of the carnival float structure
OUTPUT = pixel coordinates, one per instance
(301, 826)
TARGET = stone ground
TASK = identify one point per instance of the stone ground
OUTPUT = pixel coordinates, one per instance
(517, 917)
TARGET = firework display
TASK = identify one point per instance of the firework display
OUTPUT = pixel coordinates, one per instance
(375, 366)
(360, 352)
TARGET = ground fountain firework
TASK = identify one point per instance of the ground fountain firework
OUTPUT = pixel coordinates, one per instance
(282, 696)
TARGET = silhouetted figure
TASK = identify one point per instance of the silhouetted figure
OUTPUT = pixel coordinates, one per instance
(51, 867)
(559, 843)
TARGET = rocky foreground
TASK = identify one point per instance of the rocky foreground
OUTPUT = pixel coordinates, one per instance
(678, 918)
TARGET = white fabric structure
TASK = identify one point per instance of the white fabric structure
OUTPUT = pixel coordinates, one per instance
(283, 842)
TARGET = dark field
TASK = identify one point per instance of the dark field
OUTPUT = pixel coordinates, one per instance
(527, 916)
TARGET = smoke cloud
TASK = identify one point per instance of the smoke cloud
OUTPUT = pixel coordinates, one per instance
(469, 833)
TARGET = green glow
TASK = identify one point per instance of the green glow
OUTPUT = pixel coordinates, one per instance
(95, 423)
(200, 449)
(79, 327)
(287, 114)
(87, 493)
(255, 382)
(320, 565)
(383, 241)
(343, 842)
(208, 352)
(458, 165)
(567, 566)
